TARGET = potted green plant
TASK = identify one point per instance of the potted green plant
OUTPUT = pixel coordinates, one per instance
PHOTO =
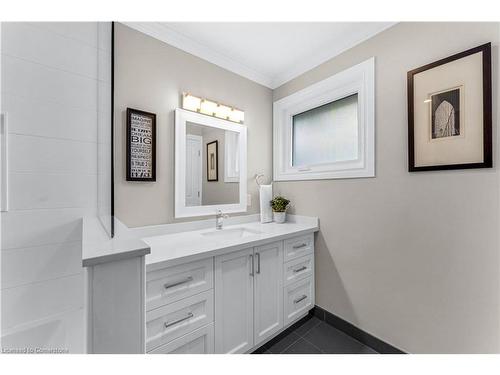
(279, 205)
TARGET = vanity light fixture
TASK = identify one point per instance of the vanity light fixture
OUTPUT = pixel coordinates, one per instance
(211, 108)
(223, 111)
(191, 103)
(237, 116)
(208, 107)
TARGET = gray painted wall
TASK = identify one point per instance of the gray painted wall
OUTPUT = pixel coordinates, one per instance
(412, 258)
(151, 75)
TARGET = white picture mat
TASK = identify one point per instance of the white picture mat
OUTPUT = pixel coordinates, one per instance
(468, 73)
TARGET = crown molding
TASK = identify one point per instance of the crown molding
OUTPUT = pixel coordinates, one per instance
(324, 55)
(170, 36)
(165, 34)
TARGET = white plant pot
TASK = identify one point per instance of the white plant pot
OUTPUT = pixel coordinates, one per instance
(279, 217)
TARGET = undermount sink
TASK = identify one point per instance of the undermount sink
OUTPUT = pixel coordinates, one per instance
(232, 233)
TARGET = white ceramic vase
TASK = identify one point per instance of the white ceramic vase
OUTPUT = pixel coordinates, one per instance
(279, 217)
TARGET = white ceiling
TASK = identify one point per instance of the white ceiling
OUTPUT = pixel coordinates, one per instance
(269, 53)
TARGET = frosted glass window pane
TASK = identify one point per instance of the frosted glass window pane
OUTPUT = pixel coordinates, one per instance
(326, 134)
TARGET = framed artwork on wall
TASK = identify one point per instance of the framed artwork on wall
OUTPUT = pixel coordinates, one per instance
(213, 161)
(141, 145)
(449, 112)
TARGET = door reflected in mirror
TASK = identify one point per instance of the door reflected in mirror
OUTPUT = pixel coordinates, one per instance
(212, 166)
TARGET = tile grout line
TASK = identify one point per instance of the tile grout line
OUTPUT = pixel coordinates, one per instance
(44, 101)
(40, 100)
(42, 281)
(300, 337)
(52, 138)
(52, 67)
(291, 343)
(71, 38)
(309, 330)
(38, 246)
(351, 337)
(309, 342)
(344, 334)
(45, 172)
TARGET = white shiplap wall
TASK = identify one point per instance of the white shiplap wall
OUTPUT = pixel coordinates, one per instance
(50, 84)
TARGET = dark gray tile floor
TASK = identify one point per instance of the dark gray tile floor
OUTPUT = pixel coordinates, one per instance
(313, 336)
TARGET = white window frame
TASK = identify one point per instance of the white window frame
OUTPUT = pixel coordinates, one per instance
(360, 80)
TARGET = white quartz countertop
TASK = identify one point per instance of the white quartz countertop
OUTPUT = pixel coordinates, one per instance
(98, 248)
(175, 243)
(197, 244)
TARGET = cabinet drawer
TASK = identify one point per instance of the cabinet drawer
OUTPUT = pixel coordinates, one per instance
(172, 321)
(299, 298)
(299, 246)
(171, 284)
(298, 269)
(200, 341)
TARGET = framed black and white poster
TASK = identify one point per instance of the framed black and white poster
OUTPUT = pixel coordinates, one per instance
(213, 161)
(449, 112)
(141, 145)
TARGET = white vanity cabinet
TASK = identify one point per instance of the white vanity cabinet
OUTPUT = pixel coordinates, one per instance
(248, 297)
(180, 308)
(234, 301)
(200, 341)
(190, 288)
(268, 291)
(230, 303)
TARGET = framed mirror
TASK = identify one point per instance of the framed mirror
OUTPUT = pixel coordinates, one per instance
(210, 165)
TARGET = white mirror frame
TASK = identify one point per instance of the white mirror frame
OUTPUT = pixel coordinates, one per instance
(181, 118)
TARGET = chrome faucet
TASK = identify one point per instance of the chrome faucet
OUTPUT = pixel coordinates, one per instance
(219, 219)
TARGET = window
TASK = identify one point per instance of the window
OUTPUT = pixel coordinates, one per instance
(231, 157)
(327, 130)
(326, 134)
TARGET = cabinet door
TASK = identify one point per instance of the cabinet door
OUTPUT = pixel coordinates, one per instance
(268, 291)
(234, 302)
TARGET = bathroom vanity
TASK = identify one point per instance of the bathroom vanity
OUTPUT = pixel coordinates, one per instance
(200, 286)
(205, 290)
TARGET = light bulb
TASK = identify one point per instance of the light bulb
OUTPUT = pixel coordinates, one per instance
(223, 111)
(237, 116)
(208, 107)
(190, 102)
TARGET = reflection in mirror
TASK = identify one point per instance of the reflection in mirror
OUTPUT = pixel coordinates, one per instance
(212, 166)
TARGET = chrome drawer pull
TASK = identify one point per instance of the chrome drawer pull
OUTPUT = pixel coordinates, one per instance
(186, 280)
(300, 246)
(170, 324)
(300, 269)
(300, 299)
